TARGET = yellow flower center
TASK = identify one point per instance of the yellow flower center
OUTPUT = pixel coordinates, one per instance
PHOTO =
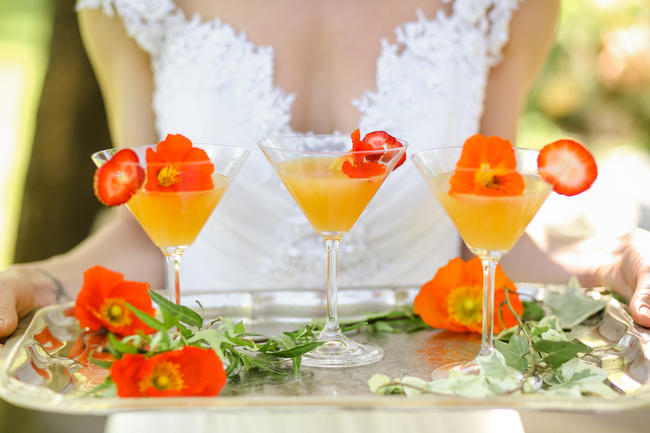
(168, 176)
(465, 304)
(115, 312)
(486, 175)
(165, 376)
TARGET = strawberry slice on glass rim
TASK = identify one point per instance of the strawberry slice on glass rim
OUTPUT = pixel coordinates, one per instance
(118, 179)
(568, 166)
(382, 140)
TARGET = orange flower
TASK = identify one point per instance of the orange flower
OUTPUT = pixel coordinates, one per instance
(487, 166)
(190, 371)
(453, 299)
(101, 303)
(176, 165)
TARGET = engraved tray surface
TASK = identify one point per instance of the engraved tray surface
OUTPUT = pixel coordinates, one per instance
(41, 377)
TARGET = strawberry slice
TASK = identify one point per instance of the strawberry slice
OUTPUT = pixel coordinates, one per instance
(568, 166)
(119, 178)
(383, 140)
(378, 140)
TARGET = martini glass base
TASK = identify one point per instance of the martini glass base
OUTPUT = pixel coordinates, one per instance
(469, 368)
(342, 352)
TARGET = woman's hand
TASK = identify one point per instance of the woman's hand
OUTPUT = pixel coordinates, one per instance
(630, 274)
(22, 289)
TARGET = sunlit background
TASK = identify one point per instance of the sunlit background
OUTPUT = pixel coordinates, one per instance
(25, 28)
(595, 87)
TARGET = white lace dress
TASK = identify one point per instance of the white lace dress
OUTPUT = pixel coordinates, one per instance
(213, 85)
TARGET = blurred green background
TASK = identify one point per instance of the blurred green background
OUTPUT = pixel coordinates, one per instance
(595, 87)
(25, 29)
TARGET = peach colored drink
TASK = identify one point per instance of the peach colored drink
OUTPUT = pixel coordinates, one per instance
(331, 201)
(176, 218)
(489, 222)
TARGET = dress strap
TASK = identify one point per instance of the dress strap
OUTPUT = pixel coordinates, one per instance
(142, 19)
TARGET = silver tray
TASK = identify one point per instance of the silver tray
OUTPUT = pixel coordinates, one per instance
(619, 346)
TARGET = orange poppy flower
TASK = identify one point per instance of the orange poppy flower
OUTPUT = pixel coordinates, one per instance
(453, 299)
(101, 303)
(190, 371)
(487, 166)
(176, 165)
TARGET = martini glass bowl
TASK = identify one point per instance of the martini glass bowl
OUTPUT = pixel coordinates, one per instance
(311, 169)
(177, 198)
(490, 225)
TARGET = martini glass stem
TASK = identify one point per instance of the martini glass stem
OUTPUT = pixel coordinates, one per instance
(489, 268)
(332, 329)
(173, 257)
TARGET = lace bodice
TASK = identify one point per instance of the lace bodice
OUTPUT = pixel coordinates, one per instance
(214, 85)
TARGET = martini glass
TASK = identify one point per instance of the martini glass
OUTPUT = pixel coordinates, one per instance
(173, 219)
(489, 225)
(310, 168)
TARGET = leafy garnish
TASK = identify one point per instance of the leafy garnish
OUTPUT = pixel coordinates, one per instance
(535, 355)
(572, 306)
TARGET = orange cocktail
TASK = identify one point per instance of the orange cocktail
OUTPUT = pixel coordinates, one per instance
(176, 218)
(332, 179)
(493, 223)
(331, 201)
(170, 188)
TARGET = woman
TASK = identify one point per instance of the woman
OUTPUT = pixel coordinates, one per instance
(440, 71)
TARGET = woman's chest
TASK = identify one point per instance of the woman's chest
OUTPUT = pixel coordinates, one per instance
(237, 75)
(325, 53)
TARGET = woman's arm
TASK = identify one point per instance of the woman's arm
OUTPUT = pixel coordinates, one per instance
(125, 78)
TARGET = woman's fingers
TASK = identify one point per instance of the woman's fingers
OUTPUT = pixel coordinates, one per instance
(8, 314)
(640, 301)
(636, 271)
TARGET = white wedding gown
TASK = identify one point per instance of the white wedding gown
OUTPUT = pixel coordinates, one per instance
(215, 86)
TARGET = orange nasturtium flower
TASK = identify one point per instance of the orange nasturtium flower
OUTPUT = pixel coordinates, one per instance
(453, 299)
(487, 166)
(176, 165)
(190, 371)
(101, 303)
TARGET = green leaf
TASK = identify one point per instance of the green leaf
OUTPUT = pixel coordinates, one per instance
(472, 386)
(383, 327)
(353, 326)
(382, 385)
(239, 328)
(532, 311)
(121, 347)
(213, 337)
(573, 306)
(99, 362)
(251, 361)
(297, 350)
(185, 332)
(559, 352)
(514, 351)
(285, 340)
(184, 314)
(378, 381)
(577, 377)
(413, 386)
(297, 361)
(147, 319)
(499, 376)
(105, 389)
